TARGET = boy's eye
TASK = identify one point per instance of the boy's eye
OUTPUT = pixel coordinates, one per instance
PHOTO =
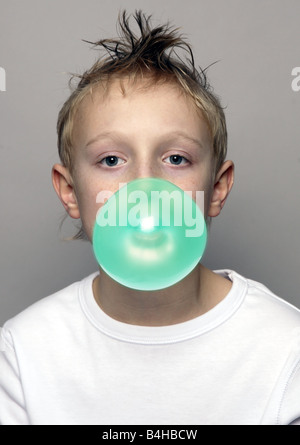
(176, 160)
(112, 161)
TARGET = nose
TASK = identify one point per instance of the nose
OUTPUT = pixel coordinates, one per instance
(146, 167)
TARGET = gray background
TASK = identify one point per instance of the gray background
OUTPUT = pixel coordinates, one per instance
(257, 44)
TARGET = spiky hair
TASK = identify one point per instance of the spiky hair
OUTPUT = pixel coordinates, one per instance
(156, 53)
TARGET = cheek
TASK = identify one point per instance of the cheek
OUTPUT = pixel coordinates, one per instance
(88, 212)
(91, 195)
(202, 192)
(86, 195)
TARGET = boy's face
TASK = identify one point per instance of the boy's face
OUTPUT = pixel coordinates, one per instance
(153, 132)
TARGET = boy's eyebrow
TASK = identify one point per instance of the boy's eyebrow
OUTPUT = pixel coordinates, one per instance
(99, 137)
(184, 136)
(169, 137)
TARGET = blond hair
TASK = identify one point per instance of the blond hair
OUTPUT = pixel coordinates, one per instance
(154, 54)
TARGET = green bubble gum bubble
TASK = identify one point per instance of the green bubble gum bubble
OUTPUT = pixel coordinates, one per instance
(149, 235)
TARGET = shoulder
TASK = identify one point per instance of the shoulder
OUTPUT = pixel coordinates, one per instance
(58, 309)
(262, 308)
(255, 289)
(271, 303)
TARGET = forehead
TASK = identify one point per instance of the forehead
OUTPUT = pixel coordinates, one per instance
(136, 104)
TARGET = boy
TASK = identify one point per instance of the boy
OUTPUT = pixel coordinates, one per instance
(214, 348)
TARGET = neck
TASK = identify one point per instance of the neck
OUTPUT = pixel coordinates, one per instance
(197, 293)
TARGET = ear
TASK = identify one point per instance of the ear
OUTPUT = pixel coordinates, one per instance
(222, 186)
(63, 185)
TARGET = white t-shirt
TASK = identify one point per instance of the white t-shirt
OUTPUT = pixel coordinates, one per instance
(65, 362)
